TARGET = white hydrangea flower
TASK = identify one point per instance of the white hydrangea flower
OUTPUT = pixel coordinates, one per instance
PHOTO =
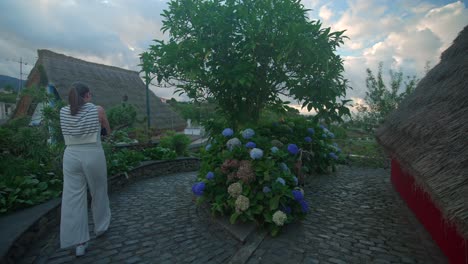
(242, 203)
(233, 142)
(279, 218)
(235, 189)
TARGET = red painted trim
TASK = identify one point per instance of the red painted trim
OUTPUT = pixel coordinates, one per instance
(454, 246)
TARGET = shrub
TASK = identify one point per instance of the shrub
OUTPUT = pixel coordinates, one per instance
(177, 142)
(261, 184)
(159, 153)
(122, 116)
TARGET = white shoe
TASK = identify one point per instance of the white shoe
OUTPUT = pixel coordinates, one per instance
(81, 249)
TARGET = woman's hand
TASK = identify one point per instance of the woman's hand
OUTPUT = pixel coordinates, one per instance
(103, 119)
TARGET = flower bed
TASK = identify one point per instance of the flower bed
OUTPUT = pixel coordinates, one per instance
(255, 174)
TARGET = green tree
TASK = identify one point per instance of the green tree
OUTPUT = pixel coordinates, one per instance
(246, 53)
(381, 99)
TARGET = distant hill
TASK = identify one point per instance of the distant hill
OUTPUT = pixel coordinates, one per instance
(7, 80)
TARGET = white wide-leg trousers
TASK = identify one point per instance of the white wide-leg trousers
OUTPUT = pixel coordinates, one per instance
(83, 167)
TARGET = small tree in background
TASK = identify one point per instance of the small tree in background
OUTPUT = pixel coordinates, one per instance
(245, 54)
(381, 99)
(122, 116)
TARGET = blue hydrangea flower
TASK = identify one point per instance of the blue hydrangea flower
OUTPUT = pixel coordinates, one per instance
(281, 180)
(248, 133)
(207, 147)
(323, 127)
(274, 149)
(283, 166)
(310, 130)
(250, 144)
(298, 196)
(266, 189)
(337, 149)
(286, 209)
(324, 135)
(228, 132)
(332, 156)
(198, 188)
(293, 149)
(275, 124)
(330, 134)
(304, 206)
(210, 175)
(256, 153)
(296, 181)
(308, 139)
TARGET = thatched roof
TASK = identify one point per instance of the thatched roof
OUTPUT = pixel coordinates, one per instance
(108, 85)
(428, 134)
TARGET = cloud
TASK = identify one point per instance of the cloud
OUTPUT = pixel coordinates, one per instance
(325, 13)
(405, 39)
(446, 22)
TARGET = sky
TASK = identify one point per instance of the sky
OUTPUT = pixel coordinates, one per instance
(402, 34)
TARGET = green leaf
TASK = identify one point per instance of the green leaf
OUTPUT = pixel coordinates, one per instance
(233, 218)
(274, 202)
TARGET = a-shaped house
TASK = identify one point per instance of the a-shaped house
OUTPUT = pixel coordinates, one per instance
(427, 138)
(110, 86)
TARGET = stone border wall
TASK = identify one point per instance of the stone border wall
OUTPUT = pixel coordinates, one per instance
(38, 223)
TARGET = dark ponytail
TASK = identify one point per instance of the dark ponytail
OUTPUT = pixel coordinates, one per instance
(76, 96)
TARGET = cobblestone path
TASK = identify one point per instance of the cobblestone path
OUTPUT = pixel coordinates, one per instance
(356, 217)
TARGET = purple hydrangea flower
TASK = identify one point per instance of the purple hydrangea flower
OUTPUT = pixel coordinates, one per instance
(228, 132)
(210, 175)
(293, 149)
(266, 189)
(298, 196)
(274, 149)
(256, 153)
(250, 144)
(308, 139)
(198, 188)
(286, 209)
(304, 206)
(281, 180)
(248, 133)
(310, 130)
(332, 156)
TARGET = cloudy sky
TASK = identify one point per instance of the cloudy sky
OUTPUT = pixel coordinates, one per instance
(403, 34)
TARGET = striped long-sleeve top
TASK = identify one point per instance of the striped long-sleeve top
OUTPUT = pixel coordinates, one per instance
(82, 128)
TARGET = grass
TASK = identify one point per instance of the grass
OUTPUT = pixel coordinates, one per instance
(361, 149)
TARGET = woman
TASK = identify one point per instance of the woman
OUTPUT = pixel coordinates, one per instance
(84, 165)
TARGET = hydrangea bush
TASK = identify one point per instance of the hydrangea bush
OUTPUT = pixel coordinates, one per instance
(255, 174)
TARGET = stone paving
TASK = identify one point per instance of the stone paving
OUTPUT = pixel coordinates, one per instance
(356, 217)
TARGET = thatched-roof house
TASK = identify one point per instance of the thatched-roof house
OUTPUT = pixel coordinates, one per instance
(109, 86)
(427, 138)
